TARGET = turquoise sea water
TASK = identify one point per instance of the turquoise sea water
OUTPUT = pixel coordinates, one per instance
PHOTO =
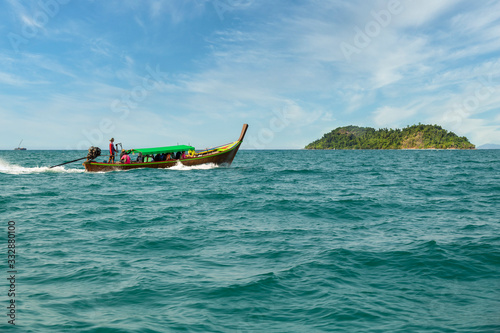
(282, 241)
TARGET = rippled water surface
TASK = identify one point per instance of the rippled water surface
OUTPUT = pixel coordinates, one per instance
(281, 241)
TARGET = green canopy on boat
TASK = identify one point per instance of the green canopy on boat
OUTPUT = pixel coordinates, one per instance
(161, 150)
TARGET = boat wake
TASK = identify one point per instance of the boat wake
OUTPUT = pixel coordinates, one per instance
(182, 167)
(14, 169)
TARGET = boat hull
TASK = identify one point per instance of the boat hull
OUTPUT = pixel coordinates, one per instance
(218, 156)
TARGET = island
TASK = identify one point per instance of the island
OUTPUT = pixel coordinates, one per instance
(489, 146)
(411, 137)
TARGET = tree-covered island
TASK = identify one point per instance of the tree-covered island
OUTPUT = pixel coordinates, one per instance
(411, 137)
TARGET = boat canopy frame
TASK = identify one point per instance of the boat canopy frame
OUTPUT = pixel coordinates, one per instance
(160, 150)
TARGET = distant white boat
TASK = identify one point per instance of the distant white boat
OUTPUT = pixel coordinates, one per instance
(19, 146)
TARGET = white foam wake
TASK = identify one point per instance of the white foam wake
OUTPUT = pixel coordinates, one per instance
(182, 167)
(14, 169)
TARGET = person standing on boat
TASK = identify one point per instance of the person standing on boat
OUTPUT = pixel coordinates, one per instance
(112, 151)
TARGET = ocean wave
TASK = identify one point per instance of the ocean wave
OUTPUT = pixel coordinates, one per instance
(181, 167)
(309, 242)
(14, 169)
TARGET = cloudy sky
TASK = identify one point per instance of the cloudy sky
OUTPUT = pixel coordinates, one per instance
(159, 72)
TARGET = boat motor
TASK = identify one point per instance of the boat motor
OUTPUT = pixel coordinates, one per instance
(93, 153)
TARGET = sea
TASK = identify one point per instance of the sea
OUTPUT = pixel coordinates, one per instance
(280, 241)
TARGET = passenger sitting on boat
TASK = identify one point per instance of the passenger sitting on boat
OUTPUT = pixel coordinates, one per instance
(125, 158)
(148, 158)
(183, 155)
(178, 155)
(167, 157)
(140, 159)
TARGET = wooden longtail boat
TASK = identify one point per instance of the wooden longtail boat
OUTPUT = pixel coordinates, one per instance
(221, 155)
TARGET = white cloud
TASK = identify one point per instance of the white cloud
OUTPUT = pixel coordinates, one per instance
(478, 19)
(419, 13)
(478, 131)
(12, 80)
(261, 56)
(387, 116)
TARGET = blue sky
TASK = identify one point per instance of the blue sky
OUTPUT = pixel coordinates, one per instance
(75, 73)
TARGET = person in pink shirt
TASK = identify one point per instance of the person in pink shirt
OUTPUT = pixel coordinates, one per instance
(125, 158)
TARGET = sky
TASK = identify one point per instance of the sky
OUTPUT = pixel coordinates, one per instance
(74, 73)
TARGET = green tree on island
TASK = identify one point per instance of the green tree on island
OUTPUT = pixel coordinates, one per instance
(411, 137)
